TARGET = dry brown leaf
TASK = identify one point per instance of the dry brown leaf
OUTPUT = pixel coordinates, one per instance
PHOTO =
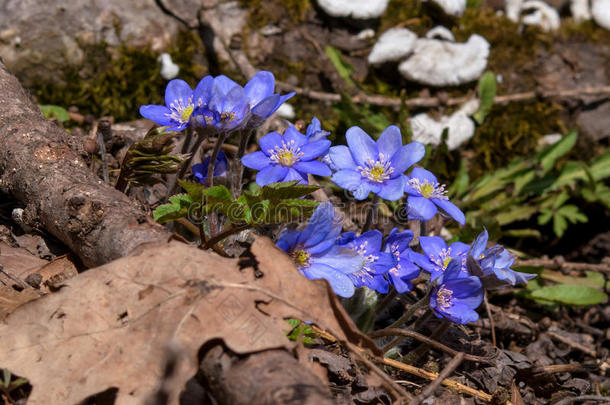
(11, 299)
(110, 326)
(17, 260)
(515, 395)
(53, 274)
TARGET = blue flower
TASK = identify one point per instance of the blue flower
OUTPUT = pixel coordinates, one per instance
(228, 107)
(287, 157)
(493, 264)
(374, 263)
(261, 97)
(315, 132)
(438, 255)
(425, 195)
(200, 170)
(403, 269)
(458, 295)
(315, 253)
(178, 109)
(366, 166)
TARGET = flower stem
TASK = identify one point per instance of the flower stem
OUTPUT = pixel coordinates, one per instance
(410, 312)
(235, 229)
(371, 213)
(237, 169)
(213, 217)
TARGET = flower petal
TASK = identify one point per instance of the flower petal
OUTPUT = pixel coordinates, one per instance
(291, 135)
(361, 145)
(314, 149)
(271, 174)
(407, 156)
(423, 175)
(393, 189)
(314, 167)
(259, 87)
(479, 245)
(294, 175)
(287, 239)
(157, 113)
(256, 160)
(203, 92)
(223, 84)
(451, 209)
(347, 179)
(459, 249)
(177, 89)
(266, 107)
(318, 226)
(390, 141)
(341, 258)
(420, 208)
(423, 262)
(432, 245)
(342, 157)
(269, 142)
(340, 283)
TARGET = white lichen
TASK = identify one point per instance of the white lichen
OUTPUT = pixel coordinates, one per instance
(452, 7)
(540, 14)
(459, 125)
(600, 9)
(359, 9)
(580, 10)
(440, 32)
(393, 45)
(443, 63)
(169, 70)
(286, 111)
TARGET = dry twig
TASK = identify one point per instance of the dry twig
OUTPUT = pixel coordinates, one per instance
(429, 390)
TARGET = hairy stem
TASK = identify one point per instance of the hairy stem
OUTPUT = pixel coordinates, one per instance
(410, 312)
(213, 217)
(235, 229)
(237, 169)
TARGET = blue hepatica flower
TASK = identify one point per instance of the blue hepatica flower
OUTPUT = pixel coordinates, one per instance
(228, 107)
(437, 255)
(315, 132)
(403, 269)
(178, 109)
(457, 296)
(315, 253)
(425, 195)
(494, 264)
(374, 263)
(287, 157)
(366, 166)
(261, 97)
(200, 170)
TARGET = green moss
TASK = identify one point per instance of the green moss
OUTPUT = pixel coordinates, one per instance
(264, 12)
(118, 82)
(513, 130)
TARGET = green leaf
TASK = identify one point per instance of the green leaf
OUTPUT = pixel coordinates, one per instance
(522, 233)
(559, 225)
(487, 93)
(592, 279)
(557, 150)
(461, 182)
(55, 112)
(568, 294)
(572, 213)
(285, 190)
(343, 68)
(299, 328)
(177, 208)
(194, 190)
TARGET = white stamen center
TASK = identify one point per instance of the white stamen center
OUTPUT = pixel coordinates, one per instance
(377, 170)
(443, 297)
(429, 190)
(181, 112)
(287, 155)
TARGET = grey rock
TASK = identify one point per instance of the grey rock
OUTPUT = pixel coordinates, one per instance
(595, 123)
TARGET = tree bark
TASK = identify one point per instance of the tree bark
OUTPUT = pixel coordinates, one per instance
(101, 224)
(98, 223)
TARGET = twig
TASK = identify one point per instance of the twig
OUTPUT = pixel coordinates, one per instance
(237, 168)
(381, 305)
(414, 355)
(410, 312)
(399, 392)
(560, 264)
(492, 324)
(572, 344)
(429, 390)
(568, 401)
(431, 342)
(104, 131)
(428, 102)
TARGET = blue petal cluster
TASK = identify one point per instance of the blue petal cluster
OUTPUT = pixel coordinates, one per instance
(366, 166)
(217, 101)
(403, 270)
(437, 255)
(316, 254)
(493, 264)
(200, 170)
(457, 295)
(426, 194)
(287, 157)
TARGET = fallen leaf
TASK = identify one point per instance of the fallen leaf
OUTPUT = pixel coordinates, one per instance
(110, 326)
